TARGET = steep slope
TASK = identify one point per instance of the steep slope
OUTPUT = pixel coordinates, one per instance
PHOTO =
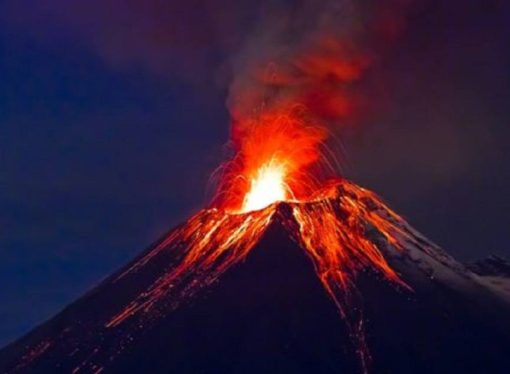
(266, 310)
(494, 272)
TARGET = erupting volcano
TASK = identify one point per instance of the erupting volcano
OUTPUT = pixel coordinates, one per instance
(291, 268)
(390, 287)
(330, 223)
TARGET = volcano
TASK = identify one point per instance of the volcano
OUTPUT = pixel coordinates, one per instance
(339, 283)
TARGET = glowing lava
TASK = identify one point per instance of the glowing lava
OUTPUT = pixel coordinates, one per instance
(274, 154)
(267, 187)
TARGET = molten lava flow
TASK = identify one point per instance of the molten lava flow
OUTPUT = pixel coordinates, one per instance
(207, 245)
(334, 231)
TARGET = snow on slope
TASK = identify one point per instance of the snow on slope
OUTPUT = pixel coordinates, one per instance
(433, 263)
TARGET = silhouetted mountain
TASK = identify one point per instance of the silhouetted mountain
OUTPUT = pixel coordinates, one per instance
(270, 314)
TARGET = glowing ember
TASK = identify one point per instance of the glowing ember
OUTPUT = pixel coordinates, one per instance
(267, 187)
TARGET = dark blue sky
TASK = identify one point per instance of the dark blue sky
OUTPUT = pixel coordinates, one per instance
(100, 153)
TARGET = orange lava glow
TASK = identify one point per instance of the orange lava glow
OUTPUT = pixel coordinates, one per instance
(208, 244)
(277, 152)
(267, 187)
(333, 230)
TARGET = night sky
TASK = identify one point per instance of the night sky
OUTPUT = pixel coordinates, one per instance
(113, 117)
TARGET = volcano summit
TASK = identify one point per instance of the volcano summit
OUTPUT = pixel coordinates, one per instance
(337, 283)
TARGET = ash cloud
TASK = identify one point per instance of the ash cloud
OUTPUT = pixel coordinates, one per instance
(314, 53)
(398, 50)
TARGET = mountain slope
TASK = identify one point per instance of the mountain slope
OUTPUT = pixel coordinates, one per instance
(267, 311)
